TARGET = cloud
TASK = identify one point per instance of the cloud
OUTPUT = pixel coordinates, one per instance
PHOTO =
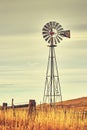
(5, 85)
(79, 27)
(25, 17)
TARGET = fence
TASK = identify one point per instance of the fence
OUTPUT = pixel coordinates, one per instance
(31, 106)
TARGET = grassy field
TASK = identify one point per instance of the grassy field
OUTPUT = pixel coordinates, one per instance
(58, 119)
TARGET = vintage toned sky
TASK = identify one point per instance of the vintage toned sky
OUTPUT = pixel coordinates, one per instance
(24, 52)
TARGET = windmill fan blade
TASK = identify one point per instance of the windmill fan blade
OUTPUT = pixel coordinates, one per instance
(48, 24)
(62, 35)
(51, 24)
(61, 29)
(49, 41)
(47, 38)
(56, 25)
(59, 37)
(44, 29)
(60, 26)
(45, 33)
(55, 41)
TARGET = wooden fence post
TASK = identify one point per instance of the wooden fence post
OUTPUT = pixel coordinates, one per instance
(4, 106)
(13, 107)
(12, 103)
(32, 106)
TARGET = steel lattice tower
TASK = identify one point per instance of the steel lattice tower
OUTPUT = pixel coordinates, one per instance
(53, 33)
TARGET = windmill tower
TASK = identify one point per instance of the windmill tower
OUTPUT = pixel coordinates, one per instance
(53, 34)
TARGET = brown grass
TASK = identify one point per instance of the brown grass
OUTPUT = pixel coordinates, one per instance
(58, 119)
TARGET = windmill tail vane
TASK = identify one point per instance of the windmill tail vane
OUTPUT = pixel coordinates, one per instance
(65, 33)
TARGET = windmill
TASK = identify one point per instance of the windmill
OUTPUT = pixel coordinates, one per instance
(53, 33)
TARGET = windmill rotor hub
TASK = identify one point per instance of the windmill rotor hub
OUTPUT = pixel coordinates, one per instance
(53, 32)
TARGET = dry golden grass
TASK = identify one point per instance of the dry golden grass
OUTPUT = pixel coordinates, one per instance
(59, 119)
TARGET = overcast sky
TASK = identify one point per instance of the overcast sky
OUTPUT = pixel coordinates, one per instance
(24, 52)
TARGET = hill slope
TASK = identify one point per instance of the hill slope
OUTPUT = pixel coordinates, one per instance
(76, 102)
